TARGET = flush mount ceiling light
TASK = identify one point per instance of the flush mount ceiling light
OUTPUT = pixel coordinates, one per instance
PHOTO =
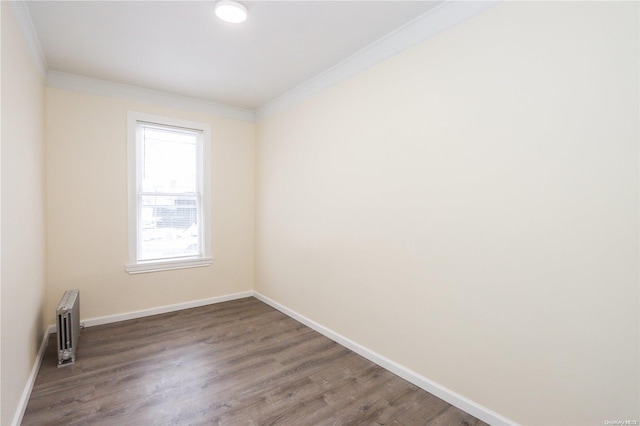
(231, 11)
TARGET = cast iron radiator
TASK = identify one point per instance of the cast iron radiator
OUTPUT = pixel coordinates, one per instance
(68, 324)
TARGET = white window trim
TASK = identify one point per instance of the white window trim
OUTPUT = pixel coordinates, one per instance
(134, 266)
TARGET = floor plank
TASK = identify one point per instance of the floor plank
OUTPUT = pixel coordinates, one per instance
(234, 363)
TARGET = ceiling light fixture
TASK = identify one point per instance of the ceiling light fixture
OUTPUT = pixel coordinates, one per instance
(231, 11)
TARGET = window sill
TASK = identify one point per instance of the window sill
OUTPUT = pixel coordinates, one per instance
(167, 265)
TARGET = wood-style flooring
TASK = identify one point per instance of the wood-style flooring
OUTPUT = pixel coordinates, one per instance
(234, 363)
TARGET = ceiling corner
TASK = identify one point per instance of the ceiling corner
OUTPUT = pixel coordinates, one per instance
(26, 25)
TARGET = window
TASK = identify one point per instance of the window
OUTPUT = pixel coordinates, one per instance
(168, 194)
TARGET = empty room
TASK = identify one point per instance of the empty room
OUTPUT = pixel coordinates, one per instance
(320, 213)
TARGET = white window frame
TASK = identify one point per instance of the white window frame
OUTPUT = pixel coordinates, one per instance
(134, 154)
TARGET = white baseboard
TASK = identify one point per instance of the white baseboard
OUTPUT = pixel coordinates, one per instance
(26, 393)
(422, 382)
(108, 319)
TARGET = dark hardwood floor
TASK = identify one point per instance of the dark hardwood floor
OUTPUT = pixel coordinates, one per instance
(234, 363)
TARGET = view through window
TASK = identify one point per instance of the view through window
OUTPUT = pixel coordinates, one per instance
(169, 199)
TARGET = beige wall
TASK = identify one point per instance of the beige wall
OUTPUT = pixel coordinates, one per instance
(87, 209)
(469, 209)
(23, 220)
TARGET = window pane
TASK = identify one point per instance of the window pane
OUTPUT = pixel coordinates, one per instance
(169, 161)
(168, 227)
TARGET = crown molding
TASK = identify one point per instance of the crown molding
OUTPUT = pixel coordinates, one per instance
(94, 86)
(442, 17)
(77, 83)
(26, 25)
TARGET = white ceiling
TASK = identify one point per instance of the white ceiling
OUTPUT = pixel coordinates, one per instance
(179, 47)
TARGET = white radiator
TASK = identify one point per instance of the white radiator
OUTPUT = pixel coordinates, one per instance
(68, 325)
